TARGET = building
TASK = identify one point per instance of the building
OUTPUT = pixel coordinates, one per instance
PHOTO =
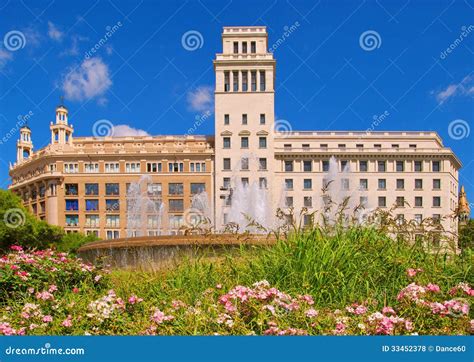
(81, 183)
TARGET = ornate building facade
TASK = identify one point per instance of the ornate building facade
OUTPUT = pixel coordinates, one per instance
(81, 183)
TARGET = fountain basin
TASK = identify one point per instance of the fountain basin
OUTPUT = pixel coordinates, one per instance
(156, 252)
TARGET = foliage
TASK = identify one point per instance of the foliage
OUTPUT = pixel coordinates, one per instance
(73, 241)
(18, 226)
(466, 236)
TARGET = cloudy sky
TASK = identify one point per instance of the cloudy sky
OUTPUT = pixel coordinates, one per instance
(147, 68)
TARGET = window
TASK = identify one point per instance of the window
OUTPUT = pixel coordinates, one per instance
(244, 163)
(262, 142)
(92, 221)
(92, 189)
(381, 166)
(345, 184)
(112, 189)
(307, 184)
(262, 118)
(287, 146)
(436, 184)
(400, 166)
(307, 166)
(323, 145)
(289, 184)
(418, 219)
(400, 184)
(377, 145)
(436, 218)
(132, 167)
(400, 201)
(176, 205)
(236, 47)
(412, 145)
(363, 184)
(112, 234)
(436, 166)
(152, 222)
(418, 166)
(253, 47)
(112, 221)
(418, 201)
(197, 188)
(235, 81)
(226, 163)
(262, 81)
(244, 47)
(112, 205)
(288, 166)
(226, 81)
(244, 119)
(262, 182)
(175, 221)
(244, 142)
(289, 201)
(226, 142)
(308, 201)
(245, 81)
(112, 167)
(436, 201)
(153, 167)
(418, 184)
(305, 146)
(71, 168)
(244, 181)
(253, 81)
(363, 201)
(72, 205)
(400, 219)
(226, 182)
(71, 189)
(175, 188)
(262, 162)
(226, 119)
(363, 166)
(382, 201)
(72, 220)
(92, 205)
(197, 167)
(154, 189)
(91, 167)
(325, 166)
(344, 165)
(176, 167)
(395, 145)
(382, 184)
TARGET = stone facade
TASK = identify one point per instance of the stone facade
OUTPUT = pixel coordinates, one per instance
(412, 169)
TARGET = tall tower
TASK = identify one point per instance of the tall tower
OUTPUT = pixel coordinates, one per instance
(244, 118)
(61, 131)
(464, 210)
(24, 146)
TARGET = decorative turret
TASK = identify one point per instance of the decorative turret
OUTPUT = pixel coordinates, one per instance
(61, 131)
(464, 210)
(24, 146)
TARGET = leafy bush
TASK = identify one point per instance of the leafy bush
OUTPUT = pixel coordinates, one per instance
(73, 241)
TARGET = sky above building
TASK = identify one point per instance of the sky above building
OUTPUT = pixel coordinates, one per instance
(146, 67)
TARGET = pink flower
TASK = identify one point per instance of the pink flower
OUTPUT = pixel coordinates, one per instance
(311, 313)
(388, 310)
(52, 288)
(16, 248)
(47, 319)
(14, 267)
(134, 299)
(433, 288)
(67, 322)
(75, 290)
(412, 272)
(160, 317)
(44, 295)
(97, 278)
(408, 325)
(219, 286)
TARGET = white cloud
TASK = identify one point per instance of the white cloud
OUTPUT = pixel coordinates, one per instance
(463, 88)
(201, 99)
(5, 57)
(54, 33)
(123, 130)
(91, 79)
(73, 50)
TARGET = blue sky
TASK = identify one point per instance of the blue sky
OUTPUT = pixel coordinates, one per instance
(143, 76)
